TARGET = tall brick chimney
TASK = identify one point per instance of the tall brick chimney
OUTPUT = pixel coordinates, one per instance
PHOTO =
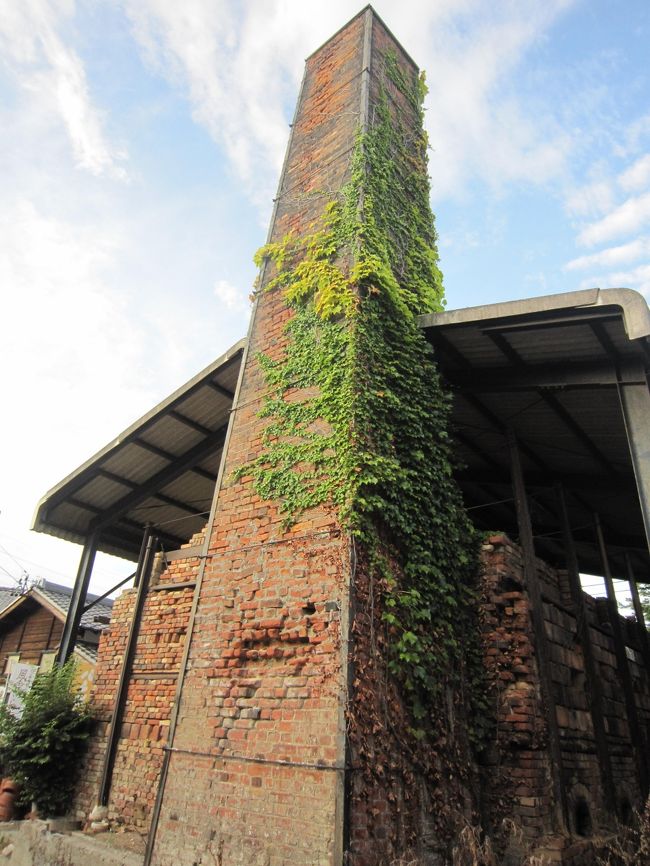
(280, 737)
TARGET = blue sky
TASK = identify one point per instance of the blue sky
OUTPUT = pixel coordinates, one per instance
(141, 147)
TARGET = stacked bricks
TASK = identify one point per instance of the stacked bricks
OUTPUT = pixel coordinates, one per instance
(518, 777)
(150, 695)
(519, 762)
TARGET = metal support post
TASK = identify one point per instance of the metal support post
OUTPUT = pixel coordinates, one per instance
(539, 630)
(592, 679)
(638, 613)
(78, 600)
(145, 563)
(635, 403)
(622, 664)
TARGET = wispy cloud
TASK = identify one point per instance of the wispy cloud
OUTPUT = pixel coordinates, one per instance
(637, 176)
(613, 256)
(615, 208)
(637, 278)
(593, 198)
(628, 217)
(240, 66)
(53, 72)
(629, 139)
(231, 297)
(237, 75)
(479, 129)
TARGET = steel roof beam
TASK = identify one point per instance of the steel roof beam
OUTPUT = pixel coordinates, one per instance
(133, 433)
(534, 376)
(118, 479)
(220, 389)
(178, 503)
(553, 403)
(569, 421)
(190, 422)
(162, 478)
(585, 483)
(167, 455)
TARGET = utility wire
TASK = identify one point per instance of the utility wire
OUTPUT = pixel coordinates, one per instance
(13, 558)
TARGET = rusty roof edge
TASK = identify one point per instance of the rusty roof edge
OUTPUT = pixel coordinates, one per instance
(39, 520)
(634, 308)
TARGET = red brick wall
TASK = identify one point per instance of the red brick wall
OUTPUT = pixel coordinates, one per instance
(274, 678)
(518, 775)
(150, 695)
(518, 772)
(261, 721)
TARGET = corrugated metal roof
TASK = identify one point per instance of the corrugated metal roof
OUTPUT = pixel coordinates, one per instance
(544, 367)
(547, 369)
(161, 470)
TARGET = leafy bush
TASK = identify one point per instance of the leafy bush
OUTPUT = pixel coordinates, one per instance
(41, 750)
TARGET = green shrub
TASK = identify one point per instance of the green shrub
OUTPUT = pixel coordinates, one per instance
(42, 749)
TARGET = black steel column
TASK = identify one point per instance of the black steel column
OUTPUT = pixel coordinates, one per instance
(635, 403)
(638, 613)
(145, 562)
(539, 630)
(78, 600)
(622, 664)
(594, 690)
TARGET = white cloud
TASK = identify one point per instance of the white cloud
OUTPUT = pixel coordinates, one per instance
(637, 176)
(477, 127)
(68, 326)
(637, 278)
(71, 358)
(628, 217)
(593, 198)
(240, 65)
(232, 298)
(237, 74)
(53, 72)
(612, 256)
(630, 137)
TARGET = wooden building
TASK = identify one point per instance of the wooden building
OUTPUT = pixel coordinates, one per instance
(31, 625)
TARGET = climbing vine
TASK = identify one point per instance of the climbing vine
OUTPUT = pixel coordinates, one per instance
(357, 414)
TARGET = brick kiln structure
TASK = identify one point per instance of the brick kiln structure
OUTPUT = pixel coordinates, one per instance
(518, 772)
(234, 743)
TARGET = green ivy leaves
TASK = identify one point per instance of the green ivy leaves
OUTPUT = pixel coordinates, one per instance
(357, 416)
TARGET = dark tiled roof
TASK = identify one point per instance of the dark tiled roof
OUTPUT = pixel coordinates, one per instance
(89, 650)
(7, 596)
(95, 619)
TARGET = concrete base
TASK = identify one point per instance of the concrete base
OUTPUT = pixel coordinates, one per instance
(31, 843)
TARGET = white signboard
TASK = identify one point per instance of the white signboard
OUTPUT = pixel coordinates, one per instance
(20, 681)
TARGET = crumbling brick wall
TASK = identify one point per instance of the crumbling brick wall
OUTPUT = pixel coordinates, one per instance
(150, 696)
(518, 777)
(519, 769)
(261, 728)
(272, 654)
